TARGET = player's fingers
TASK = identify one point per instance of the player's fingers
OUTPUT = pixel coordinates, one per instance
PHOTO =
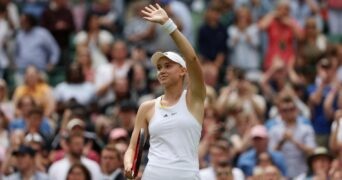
(148, 9)
(152, 7)
(145, 13)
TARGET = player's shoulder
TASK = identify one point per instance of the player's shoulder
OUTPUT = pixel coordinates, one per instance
(147, 105)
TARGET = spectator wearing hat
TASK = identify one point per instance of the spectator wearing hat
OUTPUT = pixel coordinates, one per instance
(118, 135)
(293, 138)
(76, 143)
(111, 163)
(26, 169)
(248, 160)
(319, 163)
(77, 126)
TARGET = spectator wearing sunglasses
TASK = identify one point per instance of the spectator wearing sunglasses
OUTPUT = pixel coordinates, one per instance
(292, 137)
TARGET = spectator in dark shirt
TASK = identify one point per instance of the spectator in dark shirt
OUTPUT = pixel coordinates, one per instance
(212, 38)
(58, 19)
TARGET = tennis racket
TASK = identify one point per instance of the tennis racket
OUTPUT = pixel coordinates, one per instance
(138, 152)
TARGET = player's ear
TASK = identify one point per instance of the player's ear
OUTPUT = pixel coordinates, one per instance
(183, 71)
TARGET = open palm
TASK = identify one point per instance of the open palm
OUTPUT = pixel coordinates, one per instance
(155, 14)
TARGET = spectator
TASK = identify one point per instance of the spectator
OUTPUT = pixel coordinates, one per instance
(26, 170)
(335, 141)
(58, 19)
(304, 9)
(248, 160)
(107, 74)
(111, 163)
(212, 38)
(139, 32)
(59, 169)
(75, 87)
(242, 91)
(244, 42)
(83, 58)
(6, 105)
(12, 13)
(319, 165)
(220, 163)
(282, 31)
(4, 37)
(78, 171)
(37, 143)
(321, 118)
(31, 119)
(109, 17)
(35, 46)
(118, 135)
(35, 87)
(294, 139)
(335, 15)
(97, 40)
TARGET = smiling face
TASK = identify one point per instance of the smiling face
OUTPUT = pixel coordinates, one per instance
(169, 72)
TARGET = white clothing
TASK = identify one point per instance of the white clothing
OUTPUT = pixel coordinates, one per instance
(106, 74)
(174, 139)
(83, 93)
(59, 170)
(183, 14)
(209, 174)
(104, 38)
(339, 130)
(244, 54)
(4, 35)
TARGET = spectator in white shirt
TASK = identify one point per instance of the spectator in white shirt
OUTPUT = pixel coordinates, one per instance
(59, 169)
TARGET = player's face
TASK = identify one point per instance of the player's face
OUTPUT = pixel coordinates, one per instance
(169, 72)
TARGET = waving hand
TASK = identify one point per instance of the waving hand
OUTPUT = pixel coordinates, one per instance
(155, 14)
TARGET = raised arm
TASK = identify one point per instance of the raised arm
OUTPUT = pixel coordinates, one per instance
(196, 83)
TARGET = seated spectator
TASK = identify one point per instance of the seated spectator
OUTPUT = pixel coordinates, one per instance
(75, 87)
(26, 168)
(5, 32)
(118, 135)
(111, 163)
(248, 160)
(269, 173)
(4, 135)
(220, 163)
(319, 163)
(32, 119)
(76, 126)
(35, 87)
(78, 171)
(293, 138)
(303, 10)
(59, 169)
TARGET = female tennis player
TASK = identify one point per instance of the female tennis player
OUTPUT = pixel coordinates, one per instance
(173, 120)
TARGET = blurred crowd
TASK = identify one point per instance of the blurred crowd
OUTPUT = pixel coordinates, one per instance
(74, 72)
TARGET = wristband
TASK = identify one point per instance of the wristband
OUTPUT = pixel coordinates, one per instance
(169, 26)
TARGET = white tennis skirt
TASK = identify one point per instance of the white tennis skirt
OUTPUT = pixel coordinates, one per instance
(158, 173)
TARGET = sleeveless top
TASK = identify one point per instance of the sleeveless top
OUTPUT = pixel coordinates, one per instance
(174, 137)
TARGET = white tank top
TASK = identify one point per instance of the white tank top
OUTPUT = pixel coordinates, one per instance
(174, 137)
